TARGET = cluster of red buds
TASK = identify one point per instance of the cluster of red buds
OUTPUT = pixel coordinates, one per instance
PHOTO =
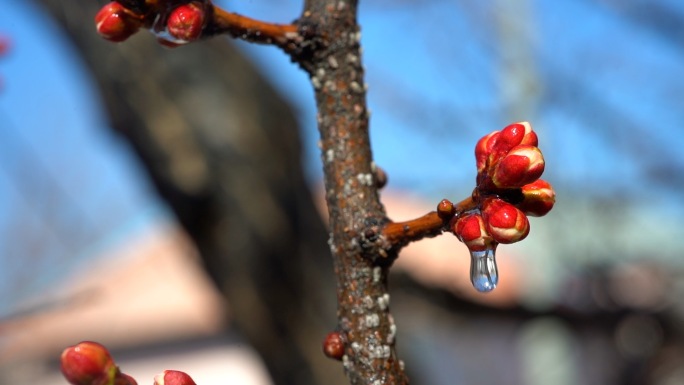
(509, 165)
(173, 22)
(90, 363)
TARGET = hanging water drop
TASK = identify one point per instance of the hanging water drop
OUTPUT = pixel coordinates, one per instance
(483, 271)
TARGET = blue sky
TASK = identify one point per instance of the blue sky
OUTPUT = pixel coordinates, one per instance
(601, 85)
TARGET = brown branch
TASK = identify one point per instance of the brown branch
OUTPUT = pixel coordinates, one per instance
(251, 30)
(398, 234)
(333, 59)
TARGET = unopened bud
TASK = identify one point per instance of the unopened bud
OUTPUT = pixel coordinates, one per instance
(522, 165)
(186, 22)
(538, 198)
(333, 345)
(470, 229)
(514, 135)
(504, 222)
(483, 149)
(173, 377)
(88, 363)
(116, 23)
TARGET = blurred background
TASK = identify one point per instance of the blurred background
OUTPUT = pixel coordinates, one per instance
(167, 202)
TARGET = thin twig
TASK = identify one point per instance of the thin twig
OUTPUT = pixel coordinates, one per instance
(429, 225)
(251, 30)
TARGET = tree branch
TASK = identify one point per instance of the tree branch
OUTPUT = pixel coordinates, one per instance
(334, 64)
(399, 234)
(251, 30)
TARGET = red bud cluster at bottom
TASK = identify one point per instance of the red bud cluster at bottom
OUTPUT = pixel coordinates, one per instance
(471, 230)
(497, 222)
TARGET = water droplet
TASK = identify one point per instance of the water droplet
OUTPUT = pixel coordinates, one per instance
(483, 271)
(161, 31)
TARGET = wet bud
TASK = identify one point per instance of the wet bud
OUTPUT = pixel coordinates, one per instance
(513, 135)
(116, 23)
(186, 22)
(538, 198)
(173, 377)
(505, 222)
(522, 165)
(470, 229)
(483, 149)
(333, 346)
(88, 363)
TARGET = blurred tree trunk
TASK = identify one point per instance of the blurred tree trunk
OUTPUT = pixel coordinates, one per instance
(223, 149)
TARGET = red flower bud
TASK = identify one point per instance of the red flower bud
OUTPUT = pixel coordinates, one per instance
(88, 363)
(515, 134)
(116, 23)
(470, 229)
(538, 198)
(522, 165)
(186, 22)
(173, 377)
(505, 222)
(483, 149)
(333, 346)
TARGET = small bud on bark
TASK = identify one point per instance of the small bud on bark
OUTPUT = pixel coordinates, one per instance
(333, 346)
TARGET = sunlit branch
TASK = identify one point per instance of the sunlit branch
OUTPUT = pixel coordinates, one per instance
(248, 29)
(429, 225)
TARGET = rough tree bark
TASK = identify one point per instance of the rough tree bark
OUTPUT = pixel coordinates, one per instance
(354, 208)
